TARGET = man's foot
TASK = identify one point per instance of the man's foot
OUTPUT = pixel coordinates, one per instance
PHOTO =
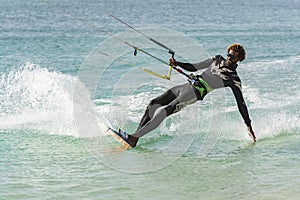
(123, 134)
(132, 140)
(128, 138)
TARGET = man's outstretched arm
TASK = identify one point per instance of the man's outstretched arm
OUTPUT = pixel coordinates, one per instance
(243, 110)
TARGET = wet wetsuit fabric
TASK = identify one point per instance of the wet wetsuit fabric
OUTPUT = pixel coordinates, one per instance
(216, 75)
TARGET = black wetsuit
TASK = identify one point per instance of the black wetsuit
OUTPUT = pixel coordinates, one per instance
(216, 75)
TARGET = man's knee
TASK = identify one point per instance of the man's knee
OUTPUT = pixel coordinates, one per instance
(170, 109)
(152, 106)
(154, 103)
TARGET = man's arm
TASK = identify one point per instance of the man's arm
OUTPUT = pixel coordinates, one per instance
(243, 110)
(192, 67)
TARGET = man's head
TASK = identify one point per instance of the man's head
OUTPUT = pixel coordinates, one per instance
(235, 53)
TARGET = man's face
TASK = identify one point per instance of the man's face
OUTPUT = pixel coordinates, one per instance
(232, 57)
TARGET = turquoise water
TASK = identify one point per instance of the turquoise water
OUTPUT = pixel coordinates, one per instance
(58, 91)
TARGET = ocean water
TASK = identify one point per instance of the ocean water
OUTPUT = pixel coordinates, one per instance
(66, 74)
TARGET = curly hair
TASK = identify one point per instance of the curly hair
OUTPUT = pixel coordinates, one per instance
(239, 49)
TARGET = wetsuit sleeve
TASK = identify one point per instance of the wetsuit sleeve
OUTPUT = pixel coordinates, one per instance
(241, 104)
(204, 64)
(196, 66)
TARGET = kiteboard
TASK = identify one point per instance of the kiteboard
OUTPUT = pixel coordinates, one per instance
(117, 135)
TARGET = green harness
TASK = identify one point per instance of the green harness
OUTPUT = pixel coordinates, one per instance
(201, 86)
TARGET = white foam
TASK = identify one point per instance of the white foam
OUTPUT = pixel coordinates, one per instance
(35, 98)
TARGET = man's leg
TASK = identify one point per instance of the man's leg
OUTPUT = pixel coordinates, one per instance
(154, 104)
(185, 95)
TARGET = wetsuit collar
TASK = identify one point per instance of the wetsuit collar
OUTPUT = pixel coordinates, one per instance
(233, 67)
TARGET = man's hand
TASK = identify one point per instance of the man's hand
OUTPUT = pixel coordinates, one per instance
(172, 62)
(251, 133)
